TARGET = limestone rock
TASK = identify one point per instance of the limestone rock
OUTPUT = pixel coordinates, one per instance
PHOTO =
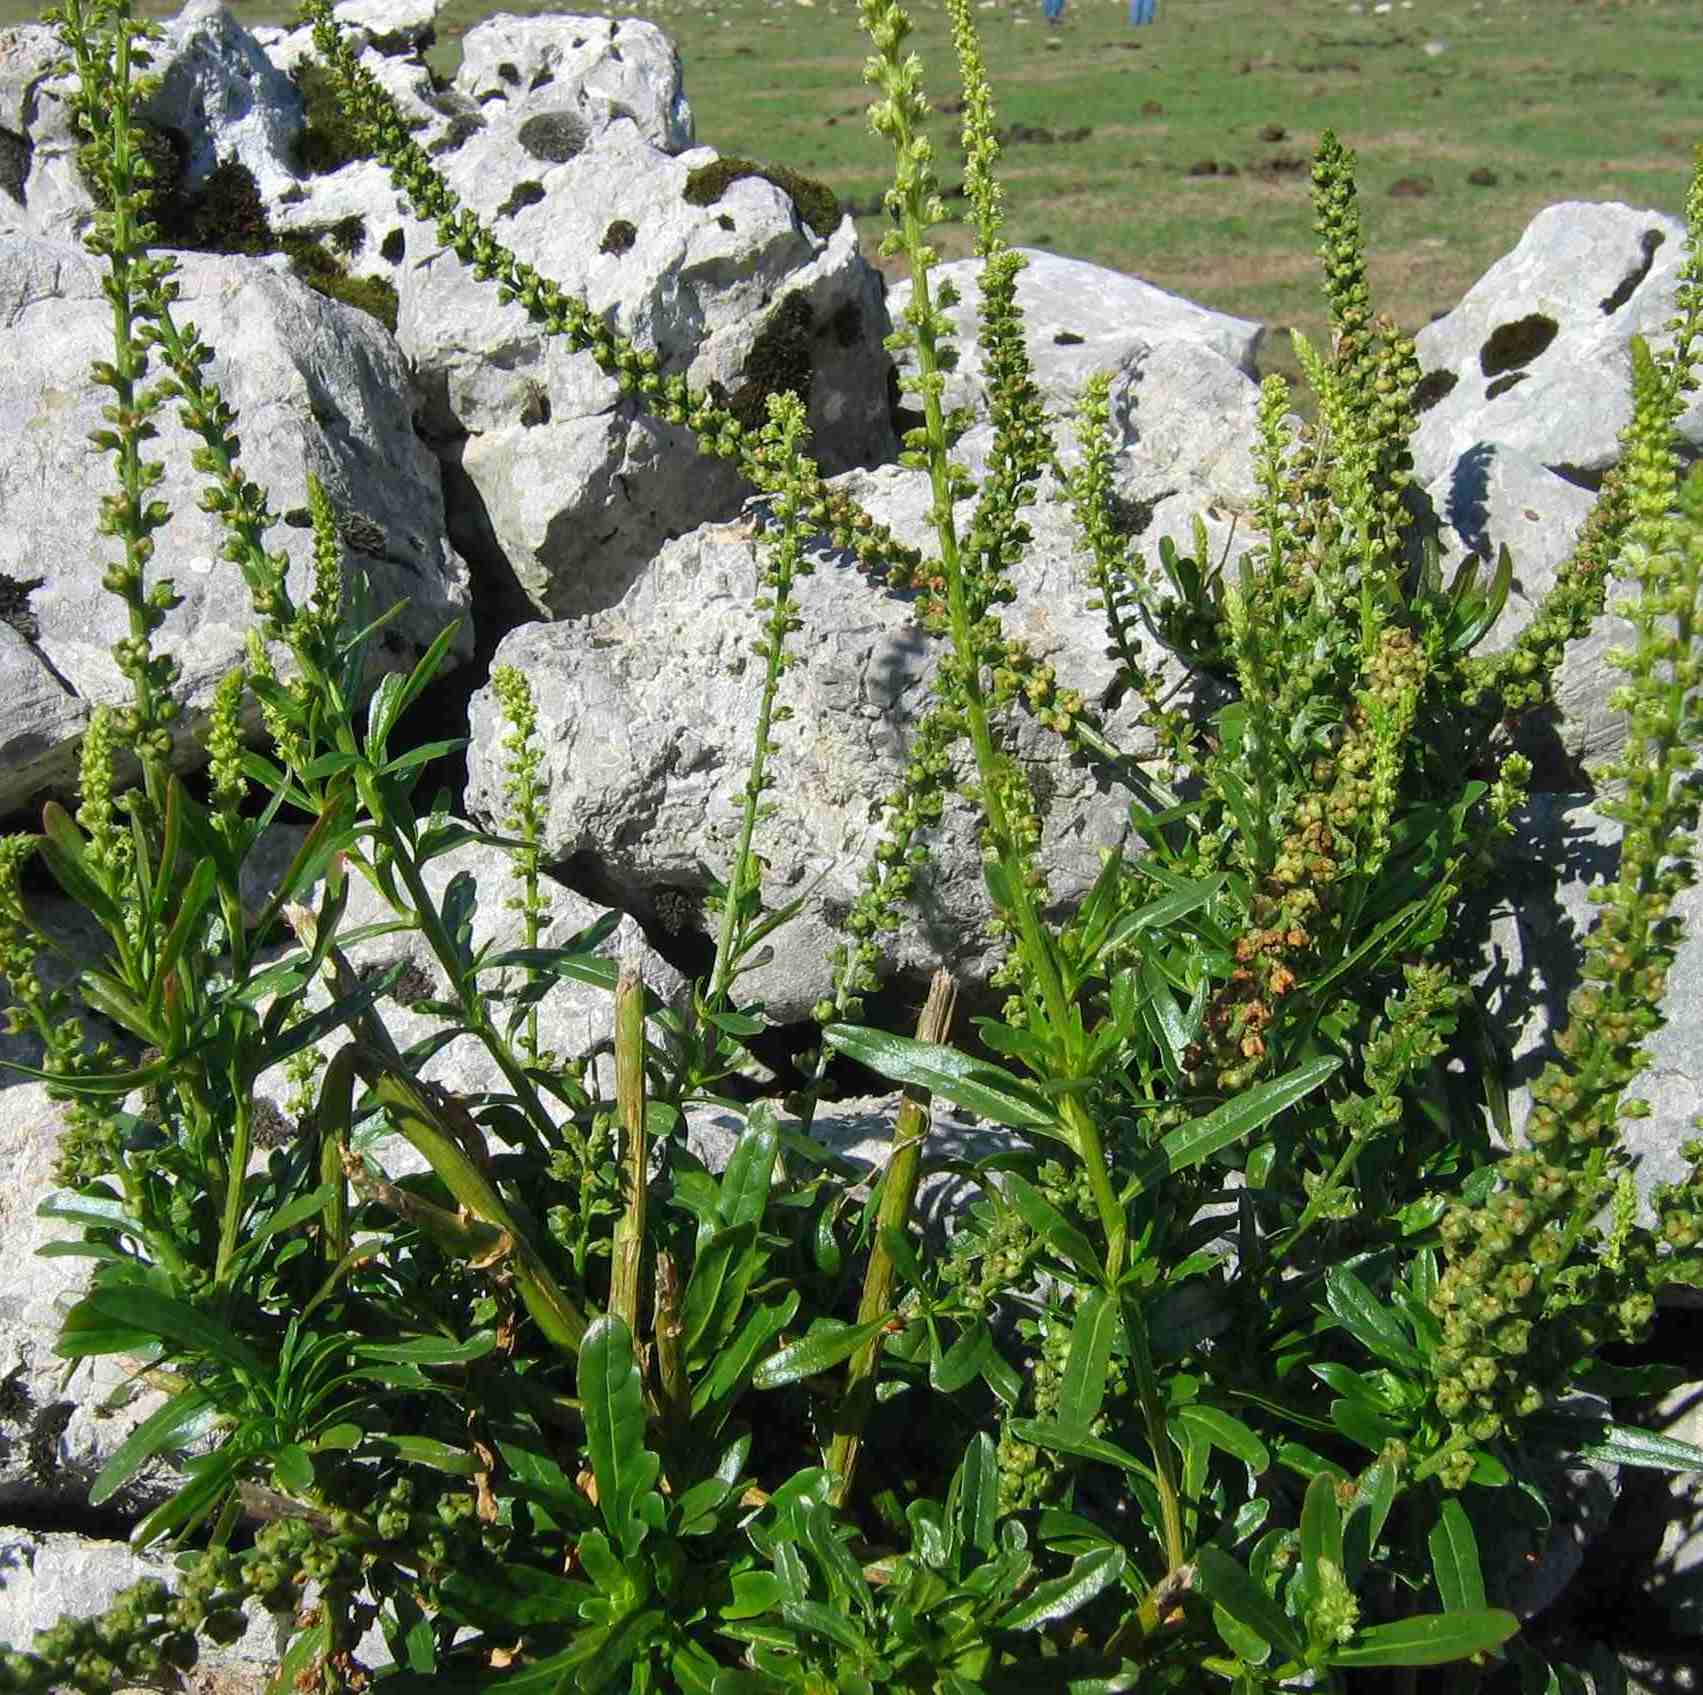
(1532, 965)
(1495, 495)
(58, 1425)
(47, 1576)
(316, 386)
(43, 718)
(1535, 357)
(646, 715)
(860, 1132)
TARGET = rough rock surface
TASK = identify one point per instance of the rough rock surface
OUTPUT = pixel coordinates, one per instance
(645, 715)
(571, 138)
(1541, 917)
(1535, 357)
(316, 386)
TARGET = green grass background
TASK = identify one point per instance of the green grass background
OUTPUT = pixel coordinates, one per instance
(1552, 99)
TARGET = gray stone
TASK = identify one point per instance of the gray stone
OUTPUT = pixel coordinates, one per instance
(1536, 356)
(1079, 319)
(63, 1420)
(1494, 496)
(599, 69)
(1543, 915)
(391, 26)
(646, 715)
(315, 385)
(860, 1132)
(42, 723)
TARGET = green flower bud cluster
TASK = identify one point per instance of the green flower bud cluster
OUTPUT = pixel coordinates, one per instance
(1679, 1221)
(224, 744)
(1515, 1282)
(523, 791)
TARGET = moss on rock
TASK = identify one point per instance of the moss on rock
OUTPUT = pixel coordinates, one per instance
(330, 139)
(779, 362)
(817, 204)
(619, 237)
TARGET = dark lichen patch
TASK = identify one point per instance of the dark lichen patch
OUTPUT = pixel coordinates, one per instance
(817, 204)
(15, 605)
(393, 247)
(846, 325)
(14, 165)
(1433, 387)
(270, 1126)
(15, 1397)
(348, 235)
(678, 910)
(1509, 346)
(1132, 517)
(1502, 384)
(510, 73)
(725, 222)
(1068, 338)
(535, 408)
(462, 128)
(1648, 242)
(330, 138)
(619, 237)
(779, 362)
(228, 216)
(522, 195)
(42, 1447)
(554, 137)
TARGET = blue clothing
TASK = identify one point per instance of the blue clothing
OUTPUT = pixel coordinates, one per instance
(1052, 10)
(1143, 11)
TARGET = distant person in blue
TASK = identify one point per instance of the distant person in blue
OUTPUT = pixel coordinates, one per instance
(1053, 12)
(1143, 11)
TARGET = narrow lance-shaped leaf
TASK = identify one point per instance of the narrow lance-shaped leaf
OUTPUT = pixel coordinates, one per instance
(1430, 1639)
(613, 1403)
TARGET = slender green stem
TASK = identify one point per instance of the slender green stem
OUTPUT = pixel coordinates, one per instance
(1158, 1431)
(898, 1193)
(627, 1273)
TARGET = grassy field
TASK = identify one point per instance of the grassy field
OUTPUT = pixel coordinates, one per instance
(1179, 151)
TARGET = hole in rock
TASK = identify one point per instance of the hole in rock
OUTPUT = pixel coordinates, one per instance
(1509, 346)
(1648, 242)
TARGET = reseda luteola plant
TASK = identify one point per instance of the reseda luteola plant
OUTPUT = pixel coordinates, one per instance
(1245, 1335)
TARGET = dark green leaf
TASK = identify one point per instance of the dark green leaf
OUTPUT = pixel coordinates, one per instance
(1321, 1529)
(973, 1498)
(1067, 1439)
(984, 1089)
(1367, 1320)
(502, 1595)
(750, 1169)
(963, 1361)
(429, 1350)
(828, 1344)
(612, 1400)
(1053, 1227)
(1227, 1583)
(1090, 1357)
(160, 1430)
(1059, 1597)
(154, 1315)
(1192, 1143)
(1430, 1639)
(1454, 1559)
(1224, 1431)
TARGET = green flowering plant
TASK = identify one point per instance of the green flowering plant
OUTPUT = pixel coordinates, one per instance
(1257, 1325)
